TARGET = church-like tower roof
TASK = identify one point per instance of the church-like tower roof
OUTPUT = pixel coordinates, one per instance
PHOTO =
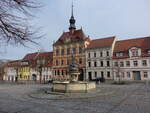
(72, 21)
(72, 35)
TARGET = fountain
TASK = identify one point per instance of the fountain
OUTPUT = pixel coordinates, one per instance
(73, 85)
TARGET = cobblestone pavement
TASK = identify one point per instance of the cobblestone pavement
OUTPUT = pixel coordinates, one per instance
(131, 98)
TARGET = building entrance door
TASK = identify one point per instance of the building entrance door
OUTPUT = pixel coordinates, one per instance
(137, 75)
(81, 75)
(16, 79)
(34, 77)
(90, 76)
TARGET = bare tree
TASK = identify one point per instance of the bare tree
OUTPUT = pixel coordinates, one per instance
(14, 16)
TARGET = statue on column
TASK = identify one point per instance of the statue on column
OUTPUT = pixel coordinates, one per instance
(73, 70)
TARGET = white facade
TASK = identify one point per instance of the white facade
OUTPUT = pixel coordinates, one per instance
(10, 74)
(99, 63)
(46, 74)
(133, 68)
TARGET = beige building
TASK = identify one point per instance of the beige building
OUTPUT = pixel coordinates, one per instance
(131, 59)
(99, 58)
(39, 66)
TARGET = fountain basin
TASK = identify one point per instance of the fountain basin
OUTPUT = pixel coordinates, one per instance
(73, 87)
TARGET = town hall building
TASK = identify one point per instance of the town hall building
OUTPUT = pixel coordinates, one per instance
(74, 42)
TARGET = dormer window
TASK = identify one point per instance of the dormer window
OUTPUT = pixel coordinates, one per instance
(148, 51)
(24, 63)
(119, 54)
(135, 53)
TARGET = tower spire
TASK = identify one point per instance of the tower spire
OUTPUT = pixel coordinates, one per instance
(72, 21)
(72, 10)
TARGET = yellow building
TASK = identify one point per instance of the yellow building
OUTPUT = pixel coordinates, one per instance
(36, 67)
(24, 71)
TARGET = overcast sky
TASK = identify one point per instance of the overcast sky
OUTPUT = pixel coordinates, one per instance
(98, 18)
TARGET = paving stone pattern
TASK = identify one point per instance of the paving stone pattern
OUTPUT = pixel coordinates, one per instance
(108, 98)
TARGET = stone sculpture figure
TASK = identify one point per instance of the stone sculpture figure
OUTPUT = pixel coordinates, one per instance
(73, 70)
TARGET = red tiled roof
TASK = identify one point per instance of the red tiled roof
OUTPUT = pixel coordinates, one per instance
(30, 56)
(47, 56)
(125, 45)
(43, 54)
(14, 63)
(101, 43)
(77, 35)
(121, 57)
